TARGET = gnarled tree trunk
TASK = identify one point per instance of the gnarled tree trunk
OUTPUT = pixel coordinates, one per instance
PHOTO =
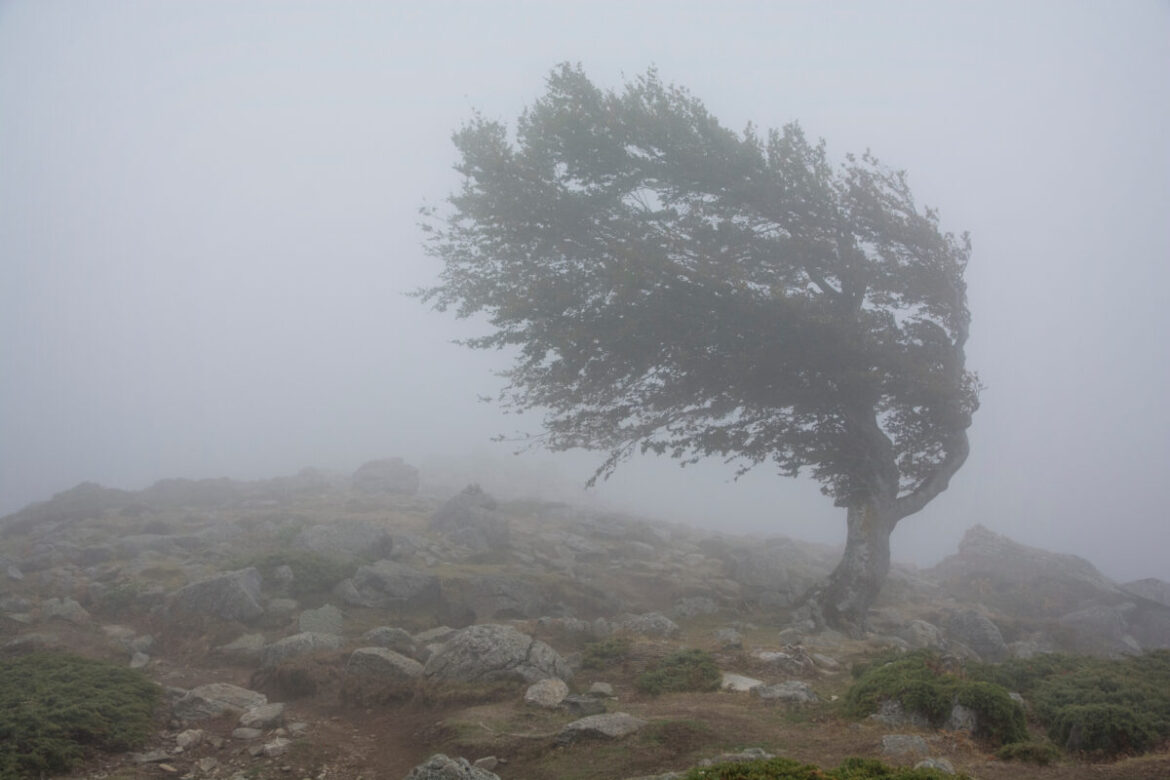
(844, 599)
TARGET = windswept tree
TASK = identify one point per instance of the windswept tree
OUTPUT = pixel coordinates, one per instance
(670, 286)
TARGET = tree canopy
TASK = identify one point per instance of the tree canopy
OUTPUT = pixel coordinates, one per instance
(673, 286)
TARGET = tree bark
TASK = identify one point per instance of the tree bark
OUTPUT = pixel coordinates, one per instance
(843, 601)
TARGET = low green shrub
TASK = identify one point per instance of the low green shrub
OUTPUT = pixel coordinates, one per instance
(606, 653)
(683, 670)
(787, 769)
(313, 572)
(1032, 752)
(55, 707)
(922, 684)
(1097, 706)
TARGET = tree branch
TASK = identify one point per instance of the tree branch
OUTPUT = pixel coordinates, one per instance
(938, 481)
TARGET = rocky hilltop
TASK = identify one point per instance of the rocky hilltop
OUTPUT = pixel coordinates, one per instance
(348, 625)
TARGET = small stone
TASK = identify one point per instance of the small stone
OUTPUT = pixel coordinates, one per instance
(170, 770)
(207, 764)
(189, 738)
(139, 660)
(247, 733)
(264, 716)
(903, 744)
(941, 764)
(601, 690)
(487, 762)
(583, 705)
(737, 683)
(277, 747)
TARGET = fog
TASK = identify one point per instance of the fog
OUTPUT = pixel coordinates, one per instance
(208, 224)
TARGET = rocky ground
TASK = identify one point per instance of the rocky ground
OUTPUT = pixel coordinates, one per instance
(325, 626)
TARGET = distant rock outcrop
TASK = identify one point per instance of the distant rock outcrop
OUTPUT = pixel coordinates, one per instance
(390, 475)
(1022, 580)
(470, 519)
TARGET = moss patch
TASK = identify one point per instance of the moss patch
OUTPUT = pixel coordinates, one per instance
(55, 707)
(684, 670)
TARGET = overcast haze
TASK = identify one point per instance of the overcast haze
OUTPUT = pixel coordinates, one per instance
(208, 223)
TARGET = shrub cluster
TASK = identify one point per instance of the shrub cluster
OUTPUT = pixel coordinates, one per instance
(1096, 706)
(54, 707)
(312, 571)
(922, 684)
(606, 653)
(683, 670)
(787, 769)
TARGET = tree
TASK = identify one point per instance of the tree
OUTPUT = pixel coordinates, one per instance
(671, 286)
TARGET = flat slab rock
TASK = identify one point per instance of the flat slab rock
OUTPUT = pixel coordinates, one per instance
(214, 699)
(488, 652)
(614, 725)
(443, 767)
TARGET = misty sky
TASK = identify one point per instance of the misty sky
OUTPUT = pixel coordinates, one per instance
(208, 223)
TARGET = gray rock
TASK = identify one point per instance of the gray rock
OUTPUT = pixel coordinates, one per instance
(1151, 588)
(500, 597)
(443, 767)
(65, 609)
(729, 639)
(139, 660)
(433, 636)
(383, 664)
(388, 584)
(904, 745)
(391, 475)
(1102, 630)
(347, 539)
(921, 634)
(189, 738)
(652, 624)
(582, 705)
(978, 633)
(496, 652)
(892, 713)
(231, 596)
(247, 648)
(737, 683)
(614, 725)
(326, 619)
(214, 699)
(470, 519)
(298, 645)
(263, 716)
(547, 693)
(938, 763)
(962, 719)
(747, 754)
(396, 639)
(694, 606)
(601, 690)
(793, 691)
(247, 733)
(277, 747)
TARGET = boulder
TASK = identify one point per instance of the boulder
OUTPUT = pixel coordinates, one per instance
(396, 639)
(347, 539)
(900, 745)
(470, 519)
(326, 619)
(263, 716)
(1102, 629)
(231, 596)
(547, 693)
(297, 645)
(491, 652)
(653, 624)
(793, 691)
(1151, 589)
(214, 699)
(614, 725)
(388, 584)
(500, 597)
(737, 683)
(977, 632)
(382, 664)
(390, 475)
(443, 767)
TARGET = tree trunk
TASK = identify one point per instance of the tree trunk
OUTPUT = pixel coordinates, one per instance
(843, 601)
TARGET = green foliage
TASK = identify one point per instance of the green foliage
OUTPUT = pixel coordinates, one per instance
(668, 285)
(787, 769)
(606, 653)
(1032, 752)
(683, 670)
(922, 685)
(55, 707)
(1098, 706)
(312, 571)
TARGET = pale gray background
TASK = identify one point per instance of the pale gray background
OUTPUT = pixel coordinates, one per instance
(208, 218)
